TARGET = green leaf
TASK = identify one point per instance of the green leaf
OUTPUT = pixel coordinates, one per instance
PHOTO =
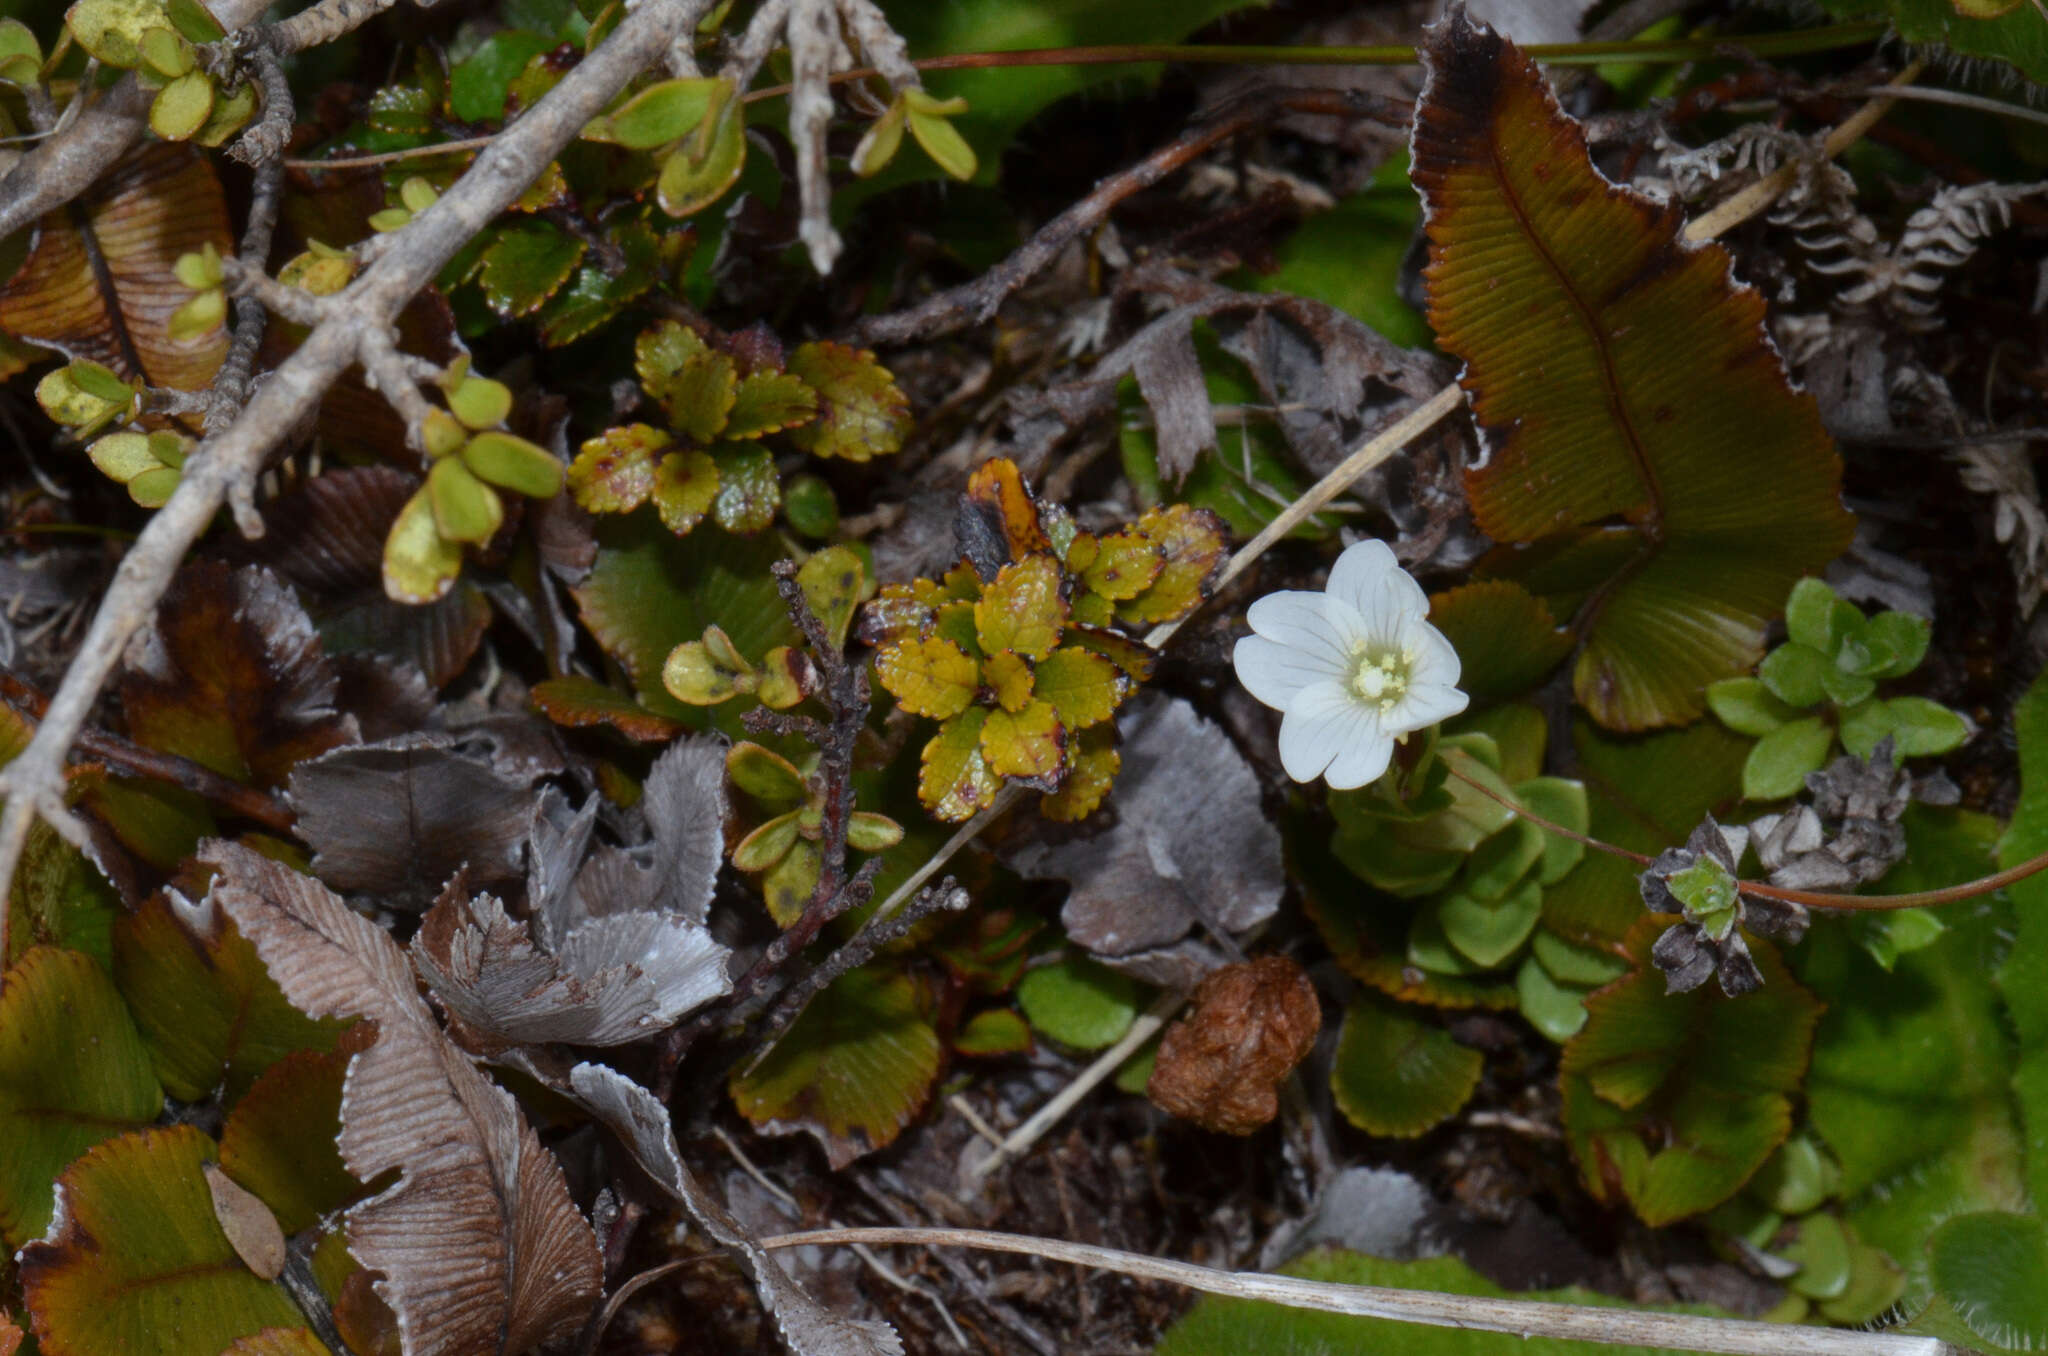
(852, 1070)
(1028, 742)
(1824, 1255)
(1505, 637)
(1730, 488)
(112, 29)
(1557, 1010)
(1918, 727)
(420, 565)
(1993, 1268)
(1677, 1099)
(810, 506)
(769, 402)
(1397, 1074)
(2023, 977)
(58, 897)
(577, 702)
(194, 20)
(73, 1073)
(835, 581)
(478, 85)
(208, 1010)
(279, 1142)
(2017, 37)
(1746, 706)
(766, 776)
(940, 139)
(1216, 1325)
(1793, 673)
(686, 486)
(929, 677)
(141, 1266)
(1498, 865)
(1084, 688)
(597, 295)
(465, 509)
(525, 265)
(661, 113)
(690, 179)
(650, 591)
(182, 107)
(1078, 1002)
(614, 472)
(1904, 635)
(954, 779)
(862, 413)
(21, 56)
(1799, 1177)
(1778, 765)
(1490, 931)
(1021, 610)
(1817, 618)
(993, 1031)
(1645, 794)
(749, 492)
(516, 464)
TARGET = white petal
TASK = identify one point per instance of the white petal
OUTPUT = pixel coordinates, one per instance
(1435, 659)
(1363, 759)
(1275, 673)
(1426, 704)
(1301, 622)
(1326, 725)
(1369, 578)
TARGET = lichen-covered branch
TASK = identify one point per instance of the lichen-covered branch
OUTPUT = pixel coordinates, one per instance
(224, 467)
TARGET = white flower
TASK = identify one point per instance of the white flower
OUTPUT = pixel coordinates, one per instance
(1352, 669)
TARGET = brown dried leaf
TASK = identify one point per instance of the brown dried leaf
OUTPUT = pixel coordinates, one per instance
(231, 674)
(1221, 1064)
(1190, 842)
(396, 819)
(251, 1229)
(481, 1248)
(162, 201)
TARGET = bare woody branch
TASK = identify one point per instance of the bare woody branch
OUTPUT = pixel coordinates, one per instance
(224, 467)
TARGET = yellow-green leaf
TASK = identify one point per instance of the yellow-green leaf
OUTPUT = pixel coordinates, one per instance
(690, 182)
(862, 413)
(614, 472)
(685, 488)
(928, 676)
(1029, 743)
(182, 107)
(954, 779)
(465, 509)
(1084, 688)
(1022, 609)
(518, 465)
(420, 565)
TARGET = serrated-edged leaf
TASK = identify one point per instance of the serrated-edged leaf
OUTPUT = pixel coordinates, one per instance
(699, 394)
(749, 491)
(140, 1264)
(928, 677)
(1027, 743)
(206, 1008)
(1079, 1002)
(1672, 1101)
(525, 265)
(1095, 762)
(111, 300)
(651, 590)
(580, 703)
(73, 1073)
(596, 295)
(2011, 34)
(1021, 610)
(1395, 1073)
(58, 897)
(851, 1071)
(511, 1263)
(1993, 1267)
(954, 779)
(769, 402)
(478, 85)
(230, 673)
(279, 1142)
(1083, 687)
(1615, 371)
(614, 472)
(1505, 637)
(861, 412)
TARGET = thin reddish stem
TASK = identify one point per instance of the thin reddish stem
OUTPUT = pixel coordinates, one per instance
(1817, 899)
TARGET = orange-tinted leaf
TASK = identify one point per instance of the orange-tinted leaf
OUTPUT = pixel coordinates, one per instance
(140, 1265)
(1124, 565)
(1191, 543)
(1616, 373)
(279, 1342)
(208, 1011)
(614, 472)
(73, 1073)
(852, 1070)
(526, 265)
(1004, 513)
(161, 202)
(231, 674)
(579, 702)
(1221, 1064)
(861, 411)
(1090, 774)
(1505, 636)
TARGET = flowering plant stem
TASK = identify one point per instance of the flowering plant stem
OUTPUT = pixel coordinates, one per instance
(1814, 899)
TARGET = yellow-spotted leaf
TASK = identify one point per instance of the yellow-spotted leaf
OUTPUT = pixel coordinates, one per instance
(1124, 565)
(685, 487)
(141, 1265)
(851, 1071)
(954, 780)
(1641, 430)
(1022, 610)
(614, 472)
(928, 677)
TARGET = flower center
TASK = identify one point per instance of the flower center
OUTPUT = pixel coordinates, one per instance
(1381, 679)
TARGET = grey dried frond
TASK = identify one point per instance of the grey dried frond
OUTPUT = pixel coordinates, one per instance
(1905, 279)
(2006, 473)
